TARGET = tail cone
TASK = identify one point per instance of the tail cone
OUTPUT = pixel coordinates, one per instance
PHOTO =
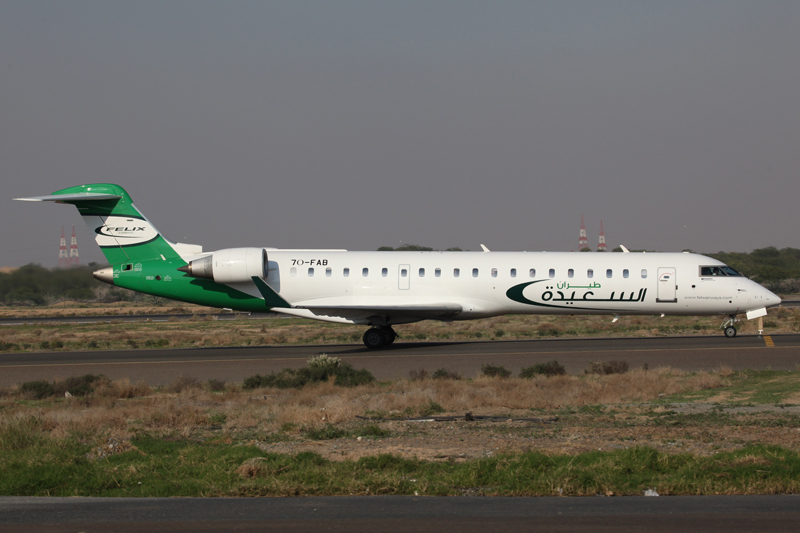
(106, 275)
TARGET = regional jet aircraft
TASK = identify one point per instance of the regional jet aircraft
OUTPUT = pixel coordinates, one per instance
(380, 289)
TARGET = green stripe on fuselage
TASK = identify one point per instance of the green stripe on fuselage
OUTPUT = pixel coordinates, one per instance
(161, 278)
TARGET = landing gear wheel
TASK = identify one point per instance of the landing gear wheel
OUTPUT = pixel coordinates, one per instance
(374, 338)
(389, 335)
(730, 332)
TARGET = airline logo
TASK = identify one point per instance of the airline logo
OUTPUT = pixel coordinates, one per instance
(563, 295)
(123, 231)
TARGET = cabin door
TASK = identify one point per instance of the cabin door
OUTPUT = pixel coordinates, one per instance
(666, 286)
(404, 277)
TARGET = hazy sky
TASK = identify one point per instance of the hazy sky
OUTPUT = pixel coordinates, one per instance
(302, 124)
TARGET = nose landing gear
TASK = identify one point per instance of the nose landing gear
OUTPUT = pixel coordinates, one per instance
(379, 336)
(728, 326)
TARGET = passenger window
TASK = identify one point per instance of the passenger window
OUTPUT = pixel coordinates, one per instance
(552, 272)
(644, 273)
(422, 272)
(328, 272)
(494, 272)
(403, 273)
(365, 272)
(310, 272)
(293, 272)
(474, 272)
(532, 273)
(570, 273)
(346, 272)
(456, 272)
(437, 272)
(625, 273)
(513, 272)
(384, 272)
(609, 273)
(590, 273)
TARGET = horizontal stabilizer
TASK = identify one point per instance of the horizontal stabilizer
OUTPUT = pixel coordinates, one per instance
(71, 197)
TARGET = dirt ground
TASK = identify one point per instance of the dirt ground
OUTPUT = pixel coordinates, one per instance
(616, 428)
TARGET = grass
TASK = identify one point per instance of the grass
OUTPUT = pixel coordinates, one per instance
(200, 330)
(746, 388)
(718, 432)
(158, 468)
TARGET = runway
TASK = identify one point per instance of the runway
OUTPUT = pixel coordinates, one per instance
(161, 366)
(723, 514)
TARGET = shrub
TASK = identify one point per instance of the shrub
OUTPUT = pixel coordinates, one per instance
(551, 368)
(548, 330)
(417, 374)
(372, 430)
(431, 408)
(327, 432)
(78, 386)
(156, 342)
(20, 433)
(443, 373)
(344, 374)
(183, 383)
(603, 368)
(38, 389)
(494, 371)
(324, 361)
(215, 385)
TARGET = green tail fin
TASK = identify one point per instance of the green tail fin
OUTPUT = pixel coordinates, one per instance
(122, 232)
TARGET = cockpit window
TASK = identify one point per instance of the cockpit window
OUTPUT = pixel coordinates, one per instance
(718, 271)
(729, 271)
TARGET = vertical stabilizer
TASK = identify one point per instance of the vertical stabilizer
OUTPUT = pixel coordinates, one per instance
(122, 232)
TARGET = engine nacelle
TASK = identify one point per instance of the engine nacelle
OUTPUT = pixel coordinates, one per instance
(232, 265)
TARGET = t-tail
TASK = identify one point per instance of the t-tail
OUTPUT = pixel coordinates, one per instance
(123, 233)
(142, 259)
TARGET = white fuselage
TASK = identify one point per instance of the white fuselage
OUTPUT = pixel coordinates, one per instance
(335, 285)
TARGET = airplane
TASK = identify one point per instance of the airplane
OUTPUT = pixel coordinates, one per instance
(381, 289)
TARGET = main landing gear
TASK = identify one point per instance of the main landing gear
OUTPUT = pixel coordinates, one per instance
(379, 336)
(728, 326)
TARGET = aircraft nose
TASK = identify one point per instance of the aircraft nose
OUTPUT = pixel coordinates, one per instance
(770, 298)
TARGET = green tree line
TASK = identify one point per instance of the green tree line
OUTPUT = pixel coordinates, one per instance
(38, 285)
(775, 269)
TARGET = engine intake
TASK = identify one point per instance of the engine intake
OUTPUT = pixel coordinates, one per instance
(232, 265)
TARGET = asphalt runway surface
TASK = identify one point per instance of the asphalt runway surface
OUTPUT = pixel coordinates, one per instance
(162, 366)
(355, 514)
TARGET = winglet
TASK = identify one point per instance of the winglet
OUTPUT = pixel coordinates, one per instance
(485, 249)
(624, 250)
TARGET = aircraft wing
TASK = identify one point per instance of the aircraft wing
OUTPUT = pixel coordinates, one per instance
(439, 311)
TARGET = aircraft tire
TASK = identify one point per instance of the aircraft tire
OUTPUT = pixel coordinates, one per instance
(389, 335)
(730, 332)
(374, 338)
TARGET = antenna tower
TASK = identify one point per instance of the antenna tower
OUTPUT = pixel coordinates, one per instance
(602, 246)
(63, 258)
(74, 259)
(583, 242)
